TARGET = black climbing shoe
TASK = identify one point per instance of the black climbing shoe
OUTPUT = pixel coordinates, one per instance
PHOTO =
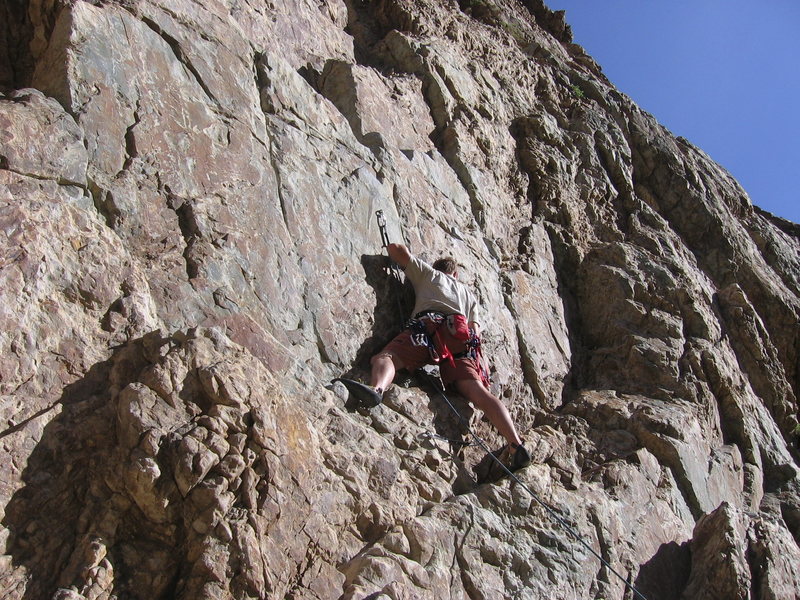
(520, 457)
(366, 395)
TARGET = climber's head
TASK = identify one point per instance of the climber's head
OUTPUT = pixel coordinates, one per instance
(447, 265)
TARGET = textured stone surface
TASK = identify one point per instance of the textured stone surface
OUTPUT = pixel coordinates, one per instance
(737, 555)
(189, 255)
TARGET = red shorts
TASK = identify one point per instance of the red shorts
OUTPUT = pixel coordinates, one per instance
(413, 357)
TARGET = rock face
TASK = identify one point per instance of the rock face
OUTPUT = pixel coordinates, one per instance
(189, 255)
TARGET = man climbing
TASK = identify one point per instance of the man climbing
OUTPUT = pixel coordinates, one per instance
(444, 329)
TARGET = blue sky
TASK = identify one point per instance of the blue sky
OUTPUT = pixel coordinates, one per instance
(724, 74)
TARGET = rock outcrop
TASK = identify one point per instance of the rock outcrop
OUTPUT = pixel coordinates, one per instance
(189, 255)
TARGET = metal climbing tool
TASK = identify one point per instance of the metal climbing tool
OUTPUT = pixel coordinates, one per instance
(394, 270)
(382, 226)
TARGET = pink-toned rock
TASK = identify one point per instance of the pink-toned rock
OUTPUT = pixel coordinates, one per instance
(188, 256)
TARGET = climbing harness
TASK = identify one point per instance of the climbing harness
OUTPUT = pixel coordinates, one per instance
(426, 330)
(439, 387)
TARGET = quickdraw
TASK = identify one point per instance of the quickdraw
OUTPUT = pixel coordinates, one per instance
(428, 435)
(394, 270)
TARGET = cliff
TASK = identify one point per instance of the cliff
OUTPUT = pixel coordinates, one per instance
(190, 254)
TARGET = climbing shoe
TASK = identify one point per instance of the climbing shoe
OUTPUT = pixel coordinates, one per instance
(366, 395)
(520, 457)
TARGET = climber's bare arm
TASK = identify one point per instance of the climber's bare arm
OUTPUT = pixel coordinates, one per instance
(399, 254)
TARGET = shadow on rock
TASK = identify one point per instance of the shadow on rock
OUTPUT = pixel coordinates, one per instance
(156, 476)
(452, 415)
(487, 470)
(665, 575)
(68, 525)
(393, 302)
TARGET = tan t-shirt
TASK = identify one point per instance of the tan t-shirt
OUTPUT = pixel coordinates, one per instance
(439, 291)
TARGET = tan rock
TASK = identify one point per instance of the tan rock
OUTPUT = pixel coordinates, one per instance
(188, 255)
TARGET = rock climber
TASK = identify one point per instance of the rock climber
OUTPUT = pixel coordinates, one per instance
(444, 330)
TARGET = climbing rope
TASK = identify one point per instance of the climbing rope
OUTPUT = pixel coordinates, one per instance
(437, 384)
